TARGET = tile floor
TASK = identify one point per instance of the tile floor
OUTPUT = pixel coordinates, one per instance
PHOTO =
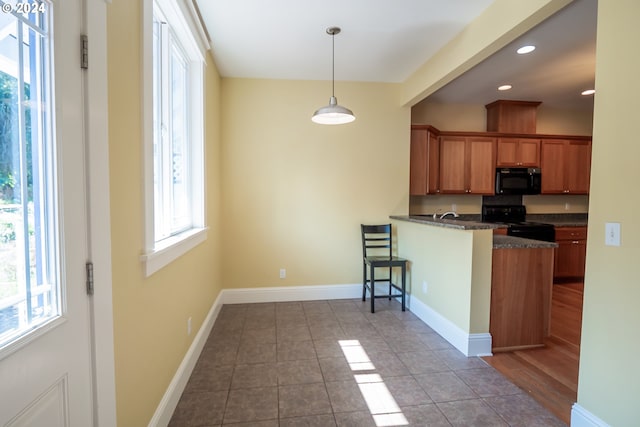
(333, 363)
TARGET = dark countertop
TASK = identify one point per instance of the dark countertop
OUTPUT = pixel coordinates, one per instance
(472, 222)
(510, 242)
(560, 220)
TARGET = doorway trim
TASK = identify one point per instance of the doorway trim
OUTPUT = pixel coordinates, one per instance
(97, 146)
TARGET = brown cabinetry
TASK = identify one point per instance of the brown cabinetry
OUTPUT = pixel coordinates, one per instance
(518, 152)
(424, 167)
(521, 281)
(571, 252)
(467, 165)
(565, 166)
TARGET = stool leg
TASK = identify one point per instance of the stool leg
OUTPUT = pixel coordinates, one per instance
(404, 275)
(364, 281)
(372, 282)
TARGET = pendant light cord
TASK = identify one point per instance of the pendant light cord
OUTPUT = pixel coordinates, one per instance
(333, 64)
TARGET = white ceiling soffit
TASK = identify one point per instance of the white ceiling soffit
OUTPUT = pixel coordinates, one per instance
(561, 67)
(381, 40)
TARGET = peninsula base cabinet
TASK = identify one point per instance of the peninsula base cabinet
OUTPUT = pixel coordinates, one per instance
(571, 253)
(521, 283)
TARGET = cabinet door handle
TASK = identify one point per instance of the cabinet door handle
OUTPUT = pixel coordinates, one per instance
(575, 242)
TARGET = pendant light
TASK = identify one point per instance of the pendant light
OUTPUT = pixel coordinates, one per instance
(333, 114)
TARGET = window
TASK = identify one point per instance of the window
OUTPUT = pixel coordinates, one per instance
(174, 150)
(29, 275)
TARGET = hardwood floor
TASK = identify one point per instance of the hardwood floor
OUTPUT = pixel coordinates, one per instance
(550, 374)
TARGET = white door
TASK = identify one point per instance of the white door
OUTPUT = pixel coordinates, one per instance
(45, 341)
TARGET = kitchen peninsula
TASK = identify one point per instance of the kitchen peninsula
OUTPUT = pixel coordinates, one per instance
(482, 292)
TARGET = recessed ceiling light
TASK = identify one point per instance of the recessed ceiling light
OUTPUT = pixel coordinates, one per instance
(589, 92)
(504, 87)
(526, 49)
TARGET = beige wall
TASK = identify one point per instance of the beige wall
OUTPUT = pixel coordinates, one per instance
(296, 192)
(473, 118)
(609, 382)
(150, 315)
(456, 270)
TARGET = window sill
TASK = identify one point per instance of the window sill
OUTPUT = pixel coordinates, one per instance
(172, 248)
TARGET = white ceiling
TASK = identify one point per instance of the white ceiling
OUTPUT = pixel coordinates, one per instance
(384, 41)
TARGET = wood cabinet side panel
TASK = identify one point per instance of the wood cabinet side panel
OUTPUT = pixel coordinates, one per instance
(418, 163)
(520, 296)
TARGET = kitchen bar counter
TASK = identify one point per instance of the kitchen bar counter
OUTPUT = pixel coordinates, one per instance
(471, 222)
(461, 223)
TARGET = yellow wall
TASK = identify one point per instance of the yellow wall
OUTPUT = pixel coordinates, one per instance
(150, 315)
(296, 192)
(456, 270)
(473, 118)
(609, 382)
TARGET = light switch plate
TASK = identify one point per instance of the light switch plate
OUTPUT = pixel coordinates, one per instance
(612, 234)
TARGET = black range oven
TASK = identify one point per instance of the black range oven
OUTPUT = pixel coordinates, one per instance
(513, 216)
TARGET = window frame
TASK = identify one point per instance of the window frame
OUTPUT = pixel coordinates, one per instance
(186, 26)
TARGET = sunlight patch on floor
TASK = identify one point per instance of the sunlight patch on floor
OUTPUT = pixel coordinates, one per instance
(382, 405)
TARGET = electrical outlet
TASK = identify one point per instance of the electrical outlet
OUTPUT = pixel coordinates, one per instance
(454, 207)
(567, 206)
(283, 273)
(425, 287)
(189, 326)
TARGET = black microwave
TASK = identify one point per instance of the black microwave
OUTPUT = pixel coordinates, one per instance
(518, 181)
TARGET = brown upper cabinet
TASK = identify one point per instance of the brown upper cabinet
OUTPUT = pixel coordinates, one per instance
(424, 170)
(512, 116)
(467, 165)
(465, 162)
(518, 152)
(565, 166)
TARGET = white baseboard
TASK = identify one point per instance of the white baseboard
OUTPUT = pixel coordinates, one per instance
(580, 417)
(290, 293)
(172, 395)
(468, 344)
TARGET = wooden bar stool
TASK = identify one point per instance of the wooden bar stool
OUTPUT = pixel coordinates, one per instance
(377, 252)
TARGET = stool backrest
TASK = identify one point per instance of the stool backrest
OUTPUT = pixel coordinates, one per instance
(376, 240)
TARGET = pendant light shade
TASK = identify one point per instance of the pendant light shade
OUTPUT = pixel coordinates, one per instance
(333, 114)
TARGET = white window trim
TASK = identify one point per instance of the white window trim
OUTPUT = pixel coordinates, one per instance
(185, 20)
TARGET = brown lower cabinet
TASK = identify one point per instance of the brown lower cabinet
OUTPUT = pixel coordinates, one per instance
(571, 252)
(521, 282)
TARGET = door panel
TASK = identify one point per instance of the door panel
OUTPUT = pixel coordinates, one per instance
(482, 160)
(46, 374)
(452, 164)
